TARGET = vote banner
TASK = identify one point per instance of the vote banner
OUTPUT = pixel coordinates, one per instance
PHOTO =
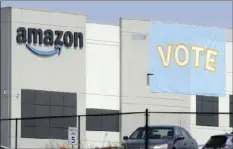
(187, 59)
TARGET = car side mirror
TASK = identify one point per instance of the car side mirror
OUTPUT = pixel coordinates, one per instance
(178, 138)
(125, 138)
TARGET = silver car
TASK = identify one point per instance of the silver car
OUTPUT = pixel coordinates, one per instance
(222, 141)
(161, 137)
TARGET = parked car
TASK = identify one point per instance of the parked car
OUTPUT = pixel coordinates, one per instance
(161, 137)
(200, 146)
(224, 141)
(3, 147)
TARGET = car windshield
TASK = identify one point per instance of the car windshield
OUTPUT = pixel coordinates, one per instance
(153, 133)
(216, 141)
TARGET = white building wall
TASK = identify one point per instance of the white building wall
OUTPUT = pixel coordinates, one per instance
(102, 77)
(64, 73)
(135, 92)
(4, 76)
(202, 133)
(103, 84)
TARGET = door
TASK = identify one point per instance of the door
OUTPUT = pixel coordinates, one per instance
(180, 144)
(189, 141)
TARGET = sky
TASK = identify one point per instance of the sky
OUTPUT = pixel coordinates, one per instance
(211, 13)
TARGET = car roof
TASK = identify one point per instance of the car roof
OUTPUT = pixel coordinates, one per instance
(163, 126)
(227, 135)
(3, 147)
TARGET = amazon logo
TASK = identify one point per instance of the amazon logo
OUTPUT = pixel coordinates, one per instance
(48, 37)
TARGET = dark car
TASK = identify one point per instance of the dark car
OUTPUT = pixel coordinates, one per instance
(224, 141)
(3, 147)
(161, 137)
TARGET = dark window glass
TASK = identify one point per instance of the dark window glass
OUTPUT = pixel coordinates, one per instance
(28, 110)
(42, 132)
(42, 123)
(216, 142)
(93, 123)
(37, 103)
(178, 131)
(70, 100)
(56, 111)
(70, 122)
(56, 99)
(231, 110)
(186, 134)
(102, 123)
(154, 133)
(42, 97)
(111, 122)
(42, 111)
(207, 104)
(57, 133)
(28, 123)
(28, 96)
(28, 132)
(69, 111)
(58, 122)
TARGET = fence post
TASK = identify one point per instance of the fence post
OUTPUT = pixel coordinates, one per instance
(146, 130)
(16, 133)
(79, 132)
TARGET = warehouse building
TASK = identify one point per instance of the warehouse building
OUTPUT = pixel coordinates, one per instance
(99, 69)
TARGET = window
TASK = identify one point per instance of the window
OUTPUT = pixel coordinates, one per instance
(216, 142)
(154, 133)
(179, 133)
(137, 134)
(231, 110)
(37, 103)
(185, 134)
(102, 123)
(148, 78)
(207, 104)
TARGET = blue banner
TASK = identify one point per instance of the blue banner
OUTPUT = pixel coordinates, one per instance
(187, 59)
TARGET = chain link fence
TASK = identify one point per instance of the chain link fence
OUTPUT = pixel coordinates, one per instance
(105, 131)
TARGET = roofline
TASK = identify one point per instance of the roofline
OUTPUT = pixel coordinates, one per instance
(103, 24)
(229, 30)
(222, 135)
(43, 10)
(74, 13)
(173, 22)
(161, 126)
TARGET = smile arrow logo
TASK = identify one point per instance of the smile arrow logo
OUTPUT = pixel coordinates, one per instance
(57, 50)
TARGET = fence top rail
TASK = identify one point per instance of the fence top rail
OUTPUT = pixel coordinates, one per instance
(70, 116)
(114, 114)
(220, 113)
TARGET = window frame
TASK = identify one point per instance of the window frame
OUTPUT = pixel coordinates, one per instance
(29, 98)
(142, 131)
(98, 123)
(186, 133)
(231, 110)
(209, 120)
